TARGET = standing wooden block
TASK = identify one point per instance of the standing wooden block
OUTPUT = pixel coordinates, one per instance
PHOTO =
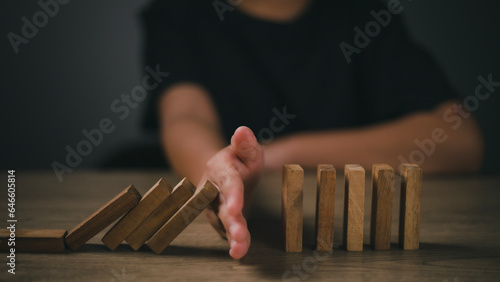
(103, 217)
(354, 207)
(34, 240)
(183, 217)
(147, 228)
(151, 200)
(325, 207)
(291, 207)
(409, 217)
(381, 217)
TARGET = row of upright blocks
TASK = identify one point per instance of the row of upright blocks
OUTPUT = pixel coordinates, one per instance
(354, 201)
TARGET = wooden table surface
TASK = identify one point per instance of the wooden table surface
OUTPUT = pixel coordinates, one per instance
(460, 235)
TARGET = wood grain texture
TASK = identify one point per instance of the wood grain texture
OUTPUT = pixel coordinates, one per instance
(354, 207)
(410, 206)
(102, 218)
(165, 210)
(459, 234)
(325, 207)
(183, 217)
(33, 240)
(128, 223)
(292, 216)
(381, 213)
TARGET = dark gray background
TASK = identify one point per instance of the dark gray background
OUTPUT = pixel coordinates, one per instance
(65, 78)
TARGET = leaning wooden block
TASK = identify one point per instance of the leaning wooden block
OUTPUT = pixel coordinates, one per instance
(291, 207)
(354, 207)
(147, 228)
(381, 217)
(409, 217)
(325, 207)
(33, 240)
(183, 217)
(124, 227)
(103, 217)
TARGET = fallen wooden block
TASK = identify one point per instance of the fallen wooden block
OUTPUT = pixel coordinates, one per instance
(410, 206)
(381, 217)
(325, 207)
(354, 207)
(103, 217)
(147, 228)
(183, 217)
(292, 207)
(127, 224)
(33, 240)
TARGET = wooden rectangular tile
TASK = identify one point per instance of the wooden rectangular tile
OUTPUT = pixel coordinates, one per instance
(381, 216)
(325, 207)
(409, 216)
(149, 202)
(183, 217)
(354, 207)
(147, 228)
(102, 218)
(33, 240)
(292, 207)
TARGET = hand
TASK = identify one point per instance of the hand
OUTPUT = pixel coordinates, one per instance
(235, 170)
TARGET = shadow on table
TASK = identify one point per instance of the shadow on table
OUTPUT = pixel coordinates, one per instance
(266, 253)
(195, 252)
(169, 251)
(267, 256)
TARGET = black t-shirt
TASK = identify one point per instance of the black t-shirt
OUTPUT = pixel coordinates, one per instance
(252, 66)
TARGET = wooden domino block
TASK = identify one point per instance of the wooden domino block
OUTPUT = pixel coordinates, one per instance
(34, 240)
(149, 202)
(103, 217)
(381, 217)
(292, 207)
(183, 217)
(147, 228)
(409, 217)
(325, 207)
(354, 207)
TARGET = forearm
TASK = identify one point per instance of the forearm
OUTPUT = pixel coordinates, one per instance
(189, 144)
(392, 143)
(190, 130)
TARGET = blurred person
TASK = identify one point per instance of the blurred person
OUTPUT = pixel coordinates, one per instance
(310, 80)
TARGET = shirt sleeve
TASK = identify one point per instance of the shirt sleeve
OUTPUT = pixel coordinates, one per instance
(399, 77)
(169, 45)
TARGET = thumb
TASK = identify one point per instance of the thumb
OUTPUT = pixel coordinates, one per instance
(245, 146)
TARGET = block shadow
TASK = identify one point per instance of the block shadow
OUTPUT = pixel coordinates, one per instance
(169, 251)
(266, 252)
